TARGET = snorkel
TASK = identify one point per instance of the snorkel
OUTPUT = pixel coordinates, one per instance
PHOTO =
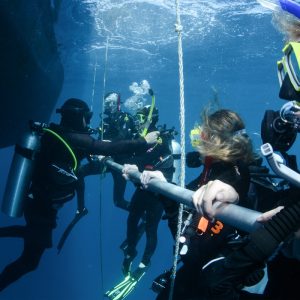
(289, 6)
(149, 117)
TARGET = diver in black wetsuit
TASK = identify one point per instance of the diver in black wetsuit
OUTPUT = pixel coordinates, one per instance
(117, 125)
(145, 203)
(221, 280)
(54, 182)
(225, 151)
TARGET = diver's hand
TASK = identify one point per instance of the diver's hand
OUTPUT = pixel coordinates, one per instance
(269, 214)
(128, 168)
(215, 190)
(151, 137)
(148, 175)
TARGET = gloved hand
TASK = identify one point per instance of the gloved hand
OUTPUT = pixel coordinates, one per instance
(254, 278)
(151, 137)
(192, 159)
(223, 278)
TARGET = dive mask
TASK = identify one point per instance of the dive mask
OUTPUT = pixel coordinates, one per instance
(288, 70)
(141, 118)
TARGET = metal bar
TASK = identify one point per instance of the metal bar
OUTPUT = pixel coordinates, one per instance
(231, 214)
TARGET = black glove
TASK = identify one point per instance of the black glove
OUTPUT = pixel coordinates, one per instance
(224, 278)
(193, 159)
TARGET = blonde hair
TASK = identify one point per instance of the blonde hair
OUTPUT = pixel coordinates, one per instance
(288, 25)
(224, 139)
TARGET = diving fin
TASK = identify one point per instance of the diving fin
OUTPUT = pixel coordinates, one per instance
(123, 289)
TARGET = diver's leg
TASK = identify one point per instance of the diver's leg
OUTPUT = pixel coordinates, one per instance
(136, 212)
(153, 216)
(27, 262)
(12, 231)
(119, 191)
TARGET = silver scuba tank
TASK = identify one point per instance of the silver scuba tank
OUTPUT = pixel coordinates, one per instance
(176, 152)
(20, 173)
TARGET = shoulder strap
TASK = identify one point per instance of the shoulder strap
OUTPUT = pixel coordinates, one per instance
(65, 144)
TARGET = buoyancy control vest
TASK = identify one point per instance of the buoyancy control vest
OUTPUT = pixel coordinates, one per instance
(23, 165)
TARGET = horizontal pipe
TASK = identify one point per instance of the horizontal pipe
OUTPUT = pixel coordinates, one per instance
(231, 214)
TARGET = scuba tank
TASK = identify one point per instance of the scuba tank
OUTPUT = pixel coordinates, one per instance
(175, 149)
(176, 152)
(21, 170)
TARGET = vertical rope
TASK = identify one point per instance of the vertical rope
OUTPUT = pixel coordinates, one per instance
(101, 175)
(104, 86)
(178, 29)
(94, 82)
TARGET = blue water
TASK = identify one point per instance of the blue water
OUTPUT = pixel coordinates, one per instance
(229, 46)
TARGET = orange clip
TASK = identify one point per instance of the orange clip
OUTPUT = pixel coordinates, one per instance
(202, 225)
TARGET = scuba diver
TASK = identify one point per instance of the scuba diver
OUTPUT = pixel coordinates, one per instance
(225, 152)
(54, 179)
(118, 125)
(276, 242)
(145, 206)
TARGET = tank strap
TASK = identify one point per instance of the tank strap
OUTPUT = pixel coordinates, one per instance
(65, 144)
(27, 153)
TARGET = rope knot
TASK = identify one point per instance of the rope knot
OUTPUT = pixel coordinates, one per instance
(178, 27)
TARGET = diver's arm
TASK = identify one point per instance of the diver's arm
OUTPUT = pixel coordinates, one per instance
(93, 146)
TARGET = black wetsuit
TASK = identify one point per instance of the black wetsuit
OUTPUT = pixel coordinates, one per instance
(205, 239)
(146, 203)
(117, 126)
(223, 279)
(50, 189)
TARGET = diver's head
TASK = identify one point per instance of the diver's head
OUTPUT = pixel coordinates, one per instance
(222, 136)
(286, 16)
(75, 114)
(112, 103)
(146, 112)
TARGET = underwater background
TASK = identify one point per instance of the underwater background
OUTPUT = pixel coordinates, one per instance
(230, 49)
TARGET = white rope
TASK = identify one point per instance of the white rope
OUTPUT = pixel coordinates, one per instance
(94, 83)
(104, 86)
(178, 29)
(101, 176)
